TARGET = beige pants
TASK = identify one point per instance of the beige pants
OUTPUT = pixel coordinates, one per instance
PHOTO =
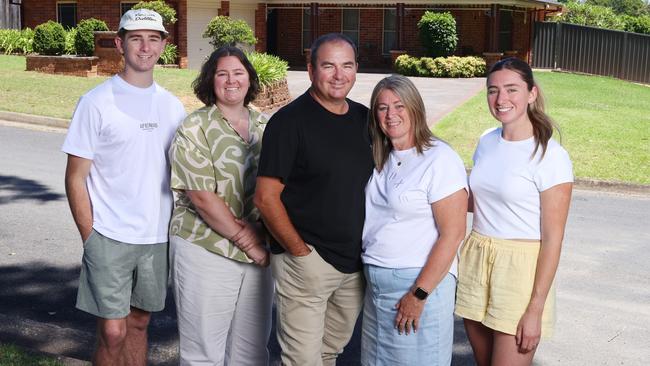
(317, 307)
(223, 307)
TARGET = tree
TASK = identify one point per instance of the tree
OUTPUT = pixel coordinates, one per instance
(225, 31)
(167, 13)
(438, 33)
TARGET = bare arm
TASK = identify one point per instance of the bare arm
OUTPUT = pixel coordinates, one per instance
(217, 215)
(450, 214)
(76, 172)
(555, 203)
(274, 214)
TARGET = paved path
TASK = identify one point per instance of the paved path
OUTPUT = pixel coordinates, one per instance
(440, 96)
(603, 292)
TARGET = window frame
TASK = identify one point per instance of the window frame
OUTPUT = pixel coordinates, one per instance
(357, 31)
(306, 14)
(122, 3)
(59, 4)
(385, 51)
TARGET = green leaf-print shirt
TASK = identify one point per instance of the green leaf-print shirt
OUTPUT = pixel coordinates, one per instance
(207, 154)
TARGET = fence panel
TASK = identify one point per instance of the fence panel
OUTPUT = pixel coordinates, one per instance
(592, 50)
(544, 45)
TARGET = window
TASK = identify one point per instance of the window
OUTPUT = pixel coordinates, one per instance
(306, 28)
(350, 24)
(126, 6)
(66, 14)
(505, 30)
(390, 33)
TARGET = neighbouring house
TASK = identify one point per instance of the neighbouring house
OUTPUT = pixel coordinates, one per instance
(287, 27)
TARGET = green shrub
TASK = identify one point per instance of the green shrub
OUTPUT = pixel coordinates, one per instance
(167, 13)
(84, 40)
(49, 38)
(168, 55)
(225, 31)
(590, 15)
(639, 24)
(438, 33)
(269, 68)
(70, 35)
(16, 41)
(451, 67)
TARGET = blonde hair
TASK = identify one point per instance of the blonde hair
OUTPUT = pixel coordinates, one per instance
(409, 95)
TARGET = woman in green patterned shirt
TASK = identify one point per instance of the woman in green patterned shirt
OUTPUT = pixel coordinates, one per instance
(219, 263)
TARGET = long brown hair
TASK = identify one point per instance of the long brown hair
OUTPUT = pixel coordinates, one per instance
(543, 125)
(409, 95)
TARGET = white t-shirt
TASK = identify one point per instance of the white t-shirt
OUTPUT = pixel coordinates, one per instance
(400, 228)
(126, 131)
(506, 183)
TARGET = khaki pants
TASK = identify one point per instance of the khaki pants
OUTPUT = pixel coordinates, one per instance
(317, 307)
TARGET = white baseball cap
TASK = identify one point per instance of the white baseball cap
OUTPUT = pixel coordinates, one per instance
(137, 19)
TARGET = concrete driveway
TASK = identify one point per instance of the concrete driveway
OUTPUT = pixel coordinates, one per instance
(440, 96)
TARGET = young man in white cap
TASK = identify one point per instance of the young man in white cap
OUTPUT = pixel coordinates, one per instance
(117, 182)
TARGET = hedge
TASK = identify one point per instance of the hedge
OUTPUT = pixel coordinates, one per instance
(84, 40)
(49, 38)
(441, 67)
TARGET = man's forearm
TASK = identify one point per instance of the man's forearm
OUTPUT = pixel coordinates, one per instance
(80, 206)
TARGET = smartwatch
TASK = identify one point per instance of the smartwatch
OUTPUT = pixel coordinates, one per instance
(420, 293)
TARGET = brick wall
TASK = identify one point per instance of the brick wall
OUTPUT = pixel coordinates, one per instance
(40, 11)
(289, 36)
(63, 65)
(371, 39)
(225, 8)
(260, 27)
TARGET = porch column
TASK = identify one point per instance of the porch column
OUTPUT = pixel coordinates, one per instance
(181, 34)
(493, 55)
(260, 27)
(225, 8)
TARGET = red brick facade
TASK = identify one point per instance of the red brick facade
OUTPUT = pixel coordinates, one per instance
(36, 12)
(475, 25)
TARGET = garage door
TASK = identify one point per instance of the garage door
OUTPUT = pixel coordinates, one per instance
(198, 17)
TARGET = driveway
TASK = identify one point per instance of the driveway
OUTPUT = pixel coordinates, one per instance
(440, 96)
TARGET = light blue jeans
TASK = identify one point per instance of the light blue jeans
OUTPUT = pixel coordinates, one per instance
(380, 342)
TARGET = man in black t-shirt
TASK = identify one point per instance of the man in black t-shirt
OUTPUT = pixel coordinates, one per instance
(314, 165)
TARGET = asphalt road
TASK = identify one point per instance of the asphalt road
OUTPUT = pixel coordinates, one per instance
(603, 295)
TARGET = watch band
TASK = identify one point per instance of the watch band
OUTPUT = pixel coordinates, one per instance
(420, 293)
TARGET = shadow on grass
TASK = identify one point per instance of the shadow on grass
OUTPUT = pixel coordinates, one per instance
(16, 188)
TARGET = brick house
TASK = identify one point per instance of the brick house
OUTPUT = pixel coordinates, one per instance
(286, 27)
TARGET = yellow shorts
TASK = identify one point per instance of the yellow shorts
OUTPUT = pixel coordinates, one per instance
(495, 281)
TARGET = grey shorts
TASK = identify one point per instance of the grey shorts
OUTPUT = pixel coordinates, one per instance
(115, 276)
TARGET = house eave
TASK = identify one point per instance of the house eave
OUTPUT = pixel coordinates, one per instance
(532, 4)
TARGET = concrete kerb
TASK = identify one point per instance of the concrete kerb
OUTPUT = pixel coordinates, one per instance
(33, 119)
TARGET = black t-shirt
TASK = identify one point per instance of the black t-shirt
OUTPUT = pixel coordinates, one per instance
(324, 160)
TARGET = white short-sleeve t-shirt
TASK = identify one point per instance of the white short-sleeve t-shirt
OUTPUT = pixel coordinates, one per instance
(126, 131)
(400, 228)
(506, 182)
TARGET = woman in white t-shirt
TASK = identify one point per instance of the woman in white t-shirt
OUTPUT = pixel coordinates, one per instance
(520, 193)
(416, 203)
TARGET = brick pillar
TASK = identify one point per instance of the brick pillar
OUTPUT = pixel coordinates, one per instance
(260, 27)
(110, 60)
(493, 34)
(225, 8)
(181, 35)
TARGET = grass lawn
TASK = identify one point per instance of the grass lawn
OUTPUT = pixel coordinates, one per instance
(11, 355)
(604, 124)
(56, 95)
